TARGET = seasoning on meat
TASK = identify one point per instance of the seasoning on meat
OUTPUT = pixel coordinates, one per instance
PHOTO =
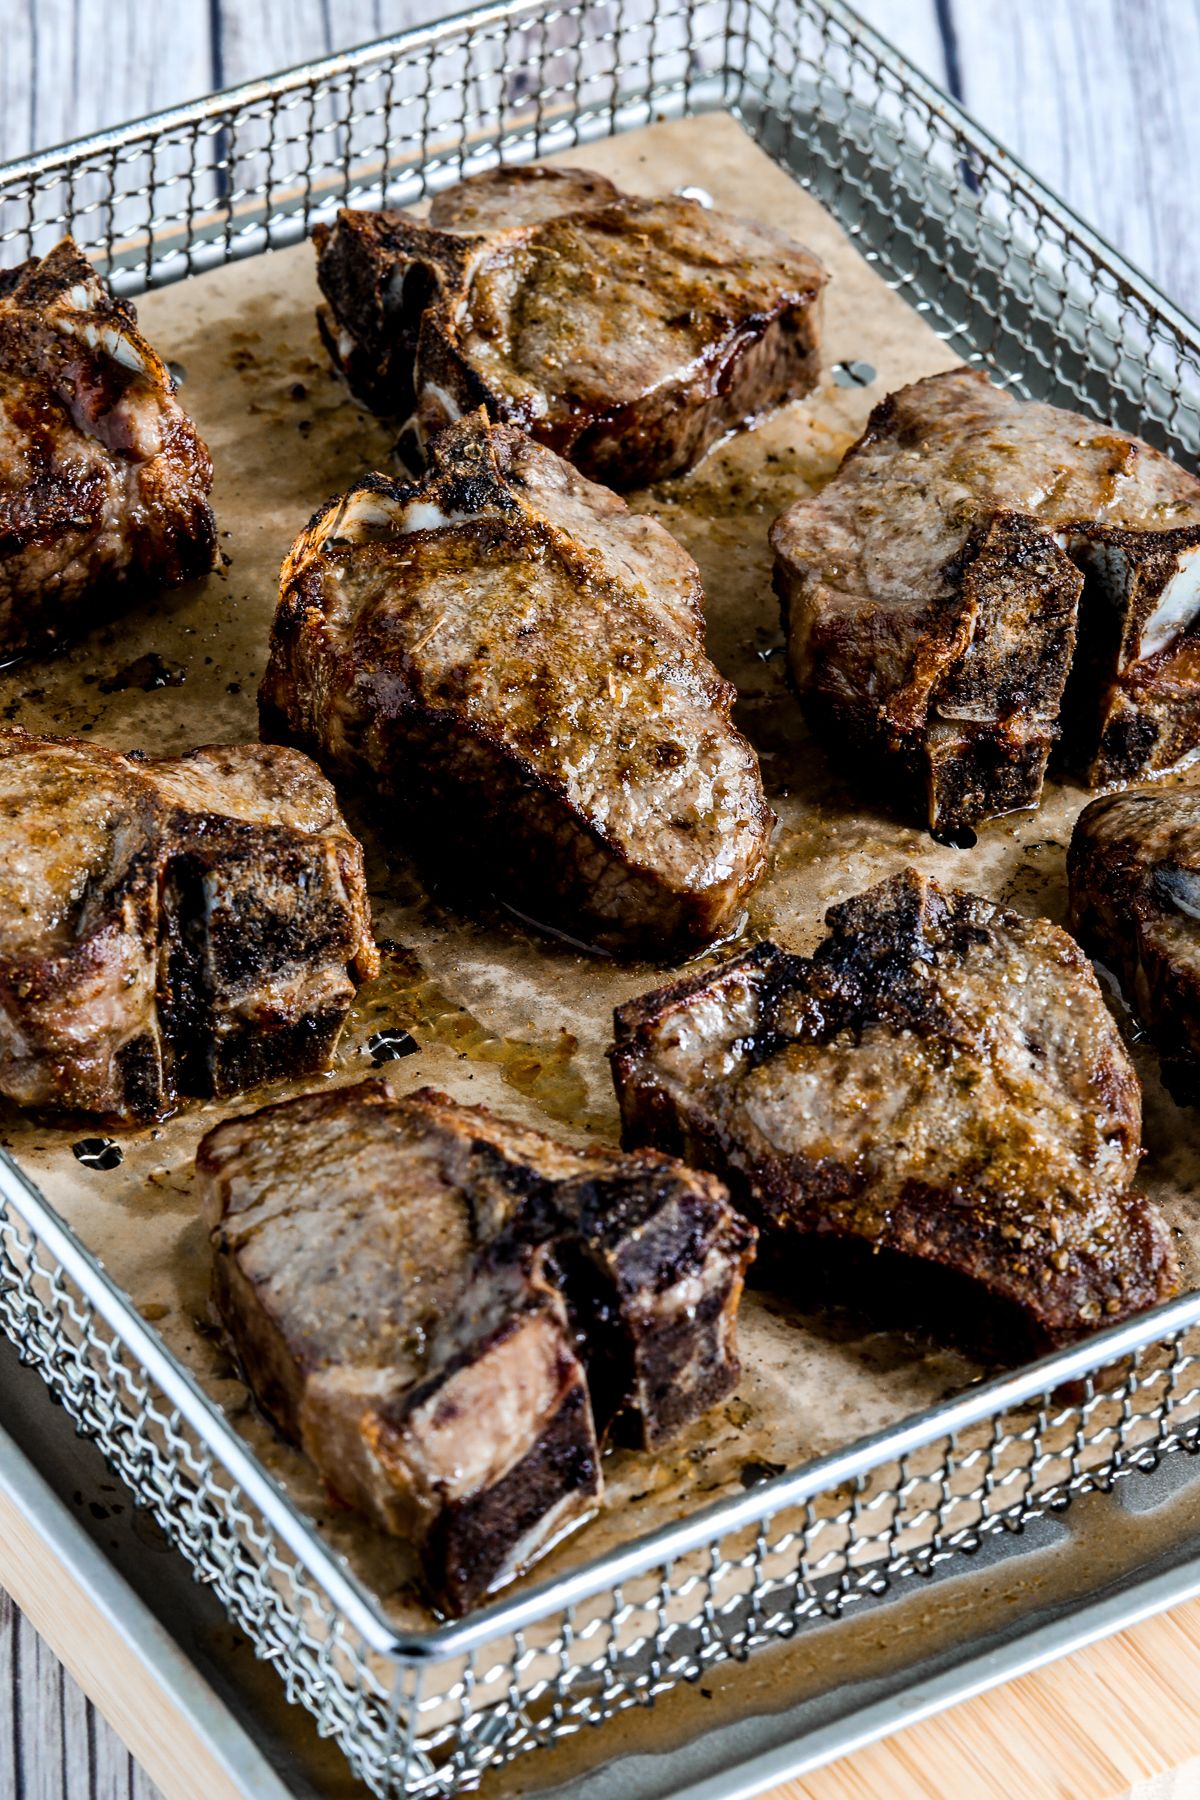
(1134, 869)
(941, 1080)
(627, 334)
(972, 553)
(514, 663)
(185, 927)
(104, 480)
(447, 1311)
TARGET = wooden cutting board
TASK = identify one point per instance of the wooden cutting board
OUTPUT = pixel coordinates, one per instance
(1117, 1721)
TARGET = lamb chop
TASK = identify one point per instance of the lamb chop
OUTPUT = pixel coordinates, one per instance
(626, 334)
(515, 662)
(104, 480)
(446, 1311)
(933, 590)
(185, 927)
(1134, 868)
(940, 1082)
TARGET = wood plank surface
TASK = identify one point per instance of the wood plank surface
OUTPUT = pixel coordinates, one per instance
(74, 66)
(1118, 1721)
(54, 1745)
(116, 1651)
(1095, 96)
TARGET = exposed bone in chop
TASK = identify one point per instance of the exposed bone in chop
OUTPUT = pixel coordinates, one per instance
(446, 1311)
(931, 594)
(941, 1080)
(189, 926)
(104, 481)
(1134, 868)
(627, 334)
(515, 661)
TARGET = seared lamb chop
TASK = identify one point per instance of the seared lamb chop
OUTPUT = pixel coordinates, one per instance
(931, 594)
(190, 926)
(1134, 868)
(516, 662)
(104, 481)
(626, 334)
(941, 1081)
(422, 1295)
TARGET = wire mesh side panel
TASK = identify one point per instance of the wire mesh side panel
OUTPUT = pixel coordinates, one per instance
(354, 1696)
(797, 1566)
(134, 191)
(999, 271)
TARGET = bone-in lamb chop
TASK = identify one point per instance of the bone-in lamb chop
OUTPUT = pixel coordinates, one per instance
(1134, 868)
(447, 1311)
(932, 593)
(515, 662)
(104, 481)
(941, 1080)
(627, 334)
(185, 927)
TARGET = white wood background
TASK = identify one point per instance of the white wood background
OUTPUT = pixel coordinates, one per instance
(1096, 96)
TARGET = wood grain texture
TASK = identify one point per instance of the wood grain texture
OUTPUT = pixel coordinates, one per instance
(1094, 95)
(1095, 98)
(271, 34)
(913, 27)
(54, 1745)
(72, 66)
(76, 1726)
(42, 1749)
(10, 1696)
(1118, 1721)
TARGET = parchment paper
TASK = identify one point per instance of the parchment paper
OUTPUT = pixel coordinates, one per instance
(502, 1017)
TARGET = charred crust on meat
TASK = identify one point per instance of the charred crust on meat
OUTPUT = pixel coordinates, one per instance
(939, 1081)
(983, 577)
(454, 1316)
(104, 479)
(510, 297)
(161, 940)
(514, 662)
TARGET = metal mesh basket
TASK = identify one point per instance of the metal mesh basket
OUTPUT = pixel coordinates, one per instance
(1012, 282)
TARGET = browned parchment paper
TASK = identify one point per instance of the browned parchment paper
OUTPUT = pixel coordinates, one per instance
(522, 1023)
